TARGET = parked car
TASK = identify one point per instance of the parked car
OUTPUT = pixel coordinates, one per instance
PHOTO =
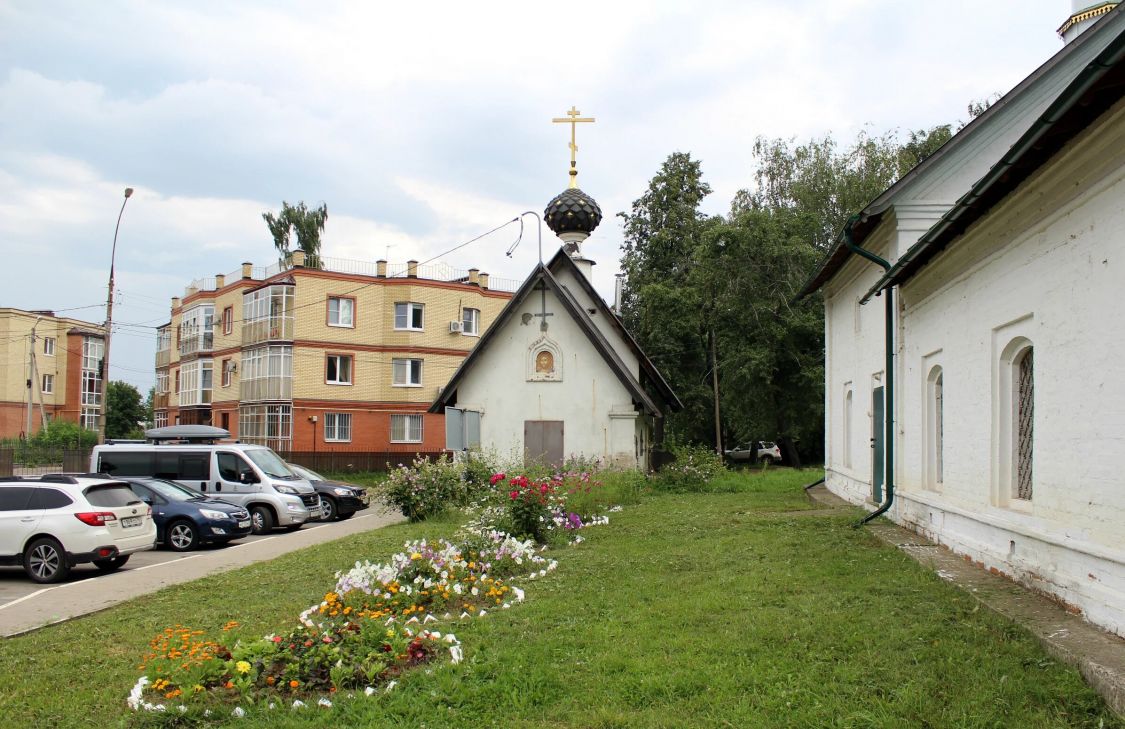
(251, 476)
(185, 518)
(338, 500)
(762, 451)
(49, 524)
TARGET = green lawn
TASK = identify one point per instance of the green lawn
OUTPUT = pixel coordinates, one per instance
(730, 608)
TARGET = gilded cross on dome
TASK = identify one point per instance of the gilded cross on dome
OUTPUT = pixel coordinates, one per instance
(574, 120)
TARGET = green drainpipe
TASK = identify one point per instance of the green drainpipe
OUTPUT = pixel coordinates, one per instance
(889, 400)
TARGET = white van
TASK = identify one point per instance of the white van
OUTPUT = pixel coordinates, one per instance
(252, 476)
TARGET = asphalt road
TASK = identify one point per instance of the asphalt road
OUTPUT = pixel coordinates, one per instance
(25, 605)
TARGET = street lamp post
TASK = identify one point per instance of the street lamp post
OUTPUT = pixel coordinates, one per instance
(109, 324)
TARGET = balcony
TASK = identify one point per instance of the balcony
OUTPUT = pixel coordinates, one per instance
(274, 329)
(195, 342)
(195, 398)
(163, 357)
(266, 388)
(160, 401)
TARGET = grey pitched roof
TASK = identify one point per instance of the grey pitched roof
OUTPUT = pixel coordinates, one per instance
(872, 214)
(542, 273)
(1099, 86)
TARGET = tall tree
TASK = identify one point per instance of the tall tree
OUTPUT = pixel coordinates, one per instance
(124, 410)
(661, 303)
(306, 223)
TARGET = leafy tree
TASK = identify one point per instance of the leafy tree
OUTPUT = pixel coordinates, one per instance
(705, 295)
(307, 223)
(662, 302)
(124, 410)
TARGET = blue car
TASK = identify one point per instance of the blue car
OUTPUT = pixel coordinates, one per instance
(186, 518)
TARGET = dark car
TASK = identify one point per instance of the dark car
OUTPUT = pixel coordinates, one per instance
(186, 518)
(338, 500)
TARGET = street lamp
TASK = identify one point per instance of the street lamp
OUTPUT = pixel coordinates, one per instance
(109, 323)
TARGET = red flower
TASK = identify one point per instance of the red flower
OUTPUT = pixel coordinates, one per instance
(514, 495)
(496, 478)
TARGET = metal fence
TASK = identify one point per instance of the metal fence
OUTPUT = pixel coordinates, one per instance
(354, 462)
(30, 461)
(33, 461)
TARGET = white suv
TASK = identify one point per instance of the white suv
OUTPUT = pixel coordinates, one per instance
(48, 524)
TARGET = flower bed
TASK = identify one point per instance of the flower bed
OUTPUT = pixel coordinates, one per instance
(378, 621)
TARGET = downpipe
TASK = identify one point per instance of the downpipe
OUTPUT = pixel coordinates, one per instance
(889, 399)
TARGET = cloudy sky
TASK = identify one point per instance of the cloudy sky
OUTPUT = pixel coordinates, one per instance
(422, 125)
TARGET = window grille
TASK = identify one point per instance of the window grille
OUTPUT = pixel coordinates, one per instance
(1025, 418)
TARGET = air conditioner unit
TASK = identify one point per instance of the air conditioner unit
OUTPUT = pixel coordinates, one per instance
(455, 327)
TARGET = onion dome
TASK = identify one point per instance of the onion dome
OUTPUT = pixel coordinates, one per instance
(573, 211)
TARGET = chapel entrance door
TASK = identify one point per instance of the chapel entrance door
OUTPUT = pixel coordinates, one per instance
(543, 442)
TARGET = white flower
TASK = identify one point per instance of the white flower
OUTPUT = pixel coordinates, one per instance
(506, 605)
(518, 593)
(134, 700)
(182, 709)
(272, 706)
(238, 712)
(324, 702)
(475, 591)
(390, 685)
(368, 691)
(298, 704)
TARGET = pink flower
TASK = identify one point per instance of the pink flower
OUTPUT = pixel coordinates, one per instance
(496, 478)
(514, 495)
(543, 489)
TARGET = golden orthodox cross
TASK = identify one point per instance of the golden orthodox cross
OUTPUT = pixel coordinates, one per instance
(573, 121)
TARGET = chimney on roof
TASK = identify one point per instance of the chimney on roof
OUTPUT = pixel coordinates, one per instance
(483, 280)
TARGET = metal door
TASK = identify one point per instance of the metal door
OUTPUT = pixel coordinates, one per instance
(877, 445)
(543, 442)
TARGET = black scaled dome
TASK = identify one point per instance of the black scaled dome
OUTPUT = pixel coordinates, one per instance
(573, 212)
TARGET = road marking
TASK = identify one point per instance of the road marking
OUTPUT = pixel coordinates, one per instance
(165, 564)
(249, 544)
(27, 597)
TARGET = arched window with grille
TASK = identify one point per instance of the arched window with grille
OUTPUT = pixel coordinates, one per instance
(1023, 419)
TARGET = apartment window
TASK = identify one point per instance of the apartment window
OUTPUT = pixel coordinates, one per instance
(341, 311)
(406, 372)
(408, 315)
(406, 428)
(339, 369)
(177, 381)
(228, 368)
(89, 418)
(160, 419)
(49, 346)
(161, 382)
(266, 373)
(337, 427)
(196, 382)
(470, 321)
(228, 320)
(48, 385)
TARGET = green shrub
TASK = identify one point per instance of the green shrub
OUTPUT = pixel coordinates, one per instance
(425, 488)
(694, 469)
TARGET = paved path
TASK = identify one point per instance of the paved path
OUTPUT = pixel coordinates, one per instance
(25, 606)
(1098, 655)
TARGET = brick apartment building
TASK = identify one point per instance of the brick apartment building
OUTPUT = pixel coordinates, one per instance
(53, 362)
(341, 356)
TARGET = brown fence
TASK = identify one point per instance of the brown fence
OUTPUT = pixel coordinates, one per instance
(35, 461)
(23, 461)
(354, 461)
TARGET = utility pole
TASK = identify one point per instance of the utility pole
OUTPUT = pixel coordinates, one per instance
(715, 386)
(31, 378)
(109, 324)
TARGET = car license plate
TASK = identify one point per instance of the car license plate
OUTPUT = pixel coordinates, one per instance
(244, 524)
(131, 521)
